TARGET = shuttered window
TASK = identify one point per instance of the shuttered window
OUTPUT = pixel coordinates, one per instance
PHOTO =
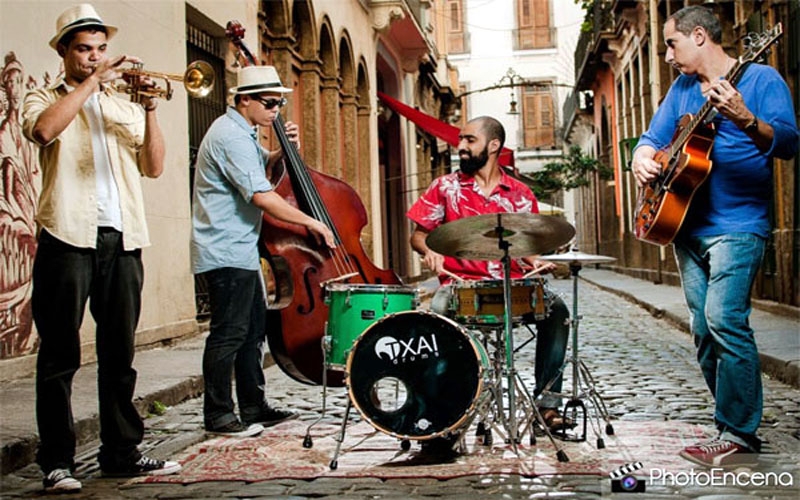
(538, 116)
(455, 26)
(533, 24)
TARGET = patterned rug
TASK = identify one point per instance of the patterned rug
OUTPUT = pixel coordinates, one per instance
(278, 453)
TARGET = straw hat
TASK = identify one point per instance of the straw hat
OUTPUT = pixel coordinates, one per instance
(256, 79)
(78, 17)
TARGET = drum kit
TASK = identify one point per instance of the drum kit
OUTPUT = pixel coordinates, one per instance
(418, 375)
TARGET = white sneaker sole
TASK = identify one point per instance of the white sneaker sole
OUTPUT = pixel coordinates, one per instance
(252, 431)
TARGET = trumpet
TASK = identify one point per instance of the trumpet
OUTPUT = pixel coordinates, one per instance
(198, 79)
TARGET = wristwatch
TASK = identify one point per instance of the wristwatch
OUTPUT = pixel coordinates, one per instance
(752, 126)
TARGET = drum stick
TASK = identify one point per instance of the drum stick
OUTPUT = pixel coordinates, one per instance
(448, 273)
(454, 276)
(323, 284)
(535, 270)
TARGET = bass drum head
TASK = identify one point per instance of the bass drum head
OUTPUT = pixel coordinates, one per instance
(415, 375)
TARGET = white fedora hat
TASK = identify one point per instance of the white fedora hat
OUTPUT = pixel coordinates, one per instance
(77, 17)
(257, 79)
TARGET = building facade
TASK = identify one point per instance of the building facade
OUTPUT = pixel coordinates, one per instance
(320, 48)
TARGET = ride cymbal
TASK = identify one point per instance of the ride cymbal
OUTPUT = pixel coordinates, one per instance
(478, 238)
(574, 257)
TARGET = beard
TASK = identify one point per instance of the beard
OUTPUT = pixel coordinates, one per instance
(472, 164)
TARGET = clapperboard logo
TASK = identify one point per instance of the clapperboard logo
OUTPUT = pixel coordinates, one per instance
(623, 482)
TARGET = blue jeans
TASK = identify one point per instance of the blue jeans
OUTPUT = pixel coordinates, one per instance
(64, 278)
(717, 273)
(551, 343)
(235, 344)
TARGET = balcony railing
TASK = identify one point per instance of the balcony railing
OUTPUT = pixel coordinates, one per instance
(601, 21)
(568, 111)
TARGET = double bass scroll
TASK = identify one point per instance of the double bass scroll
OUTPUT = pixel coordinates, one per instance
(301, 267)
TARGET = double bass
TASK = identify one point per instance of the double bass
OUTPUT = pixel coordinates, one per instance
(300, 266)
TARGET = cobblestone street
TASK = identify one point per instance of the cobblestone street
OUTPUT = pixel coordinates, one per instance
(644, 369)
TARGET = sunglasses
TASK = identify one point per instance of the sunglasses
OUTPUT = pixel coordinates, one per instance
(271, 103)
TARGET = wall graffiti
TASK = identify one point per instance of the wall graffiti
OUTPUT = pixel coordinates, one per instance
(20, 183)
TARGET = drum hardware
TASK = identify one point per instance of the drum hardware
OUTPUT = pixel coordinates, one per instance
(482, 301)
(526, 411)
(476, 238)
(351, 309)
(425, 356)
(530, 339)
(583, 384)
(416, 375)
(503, 236)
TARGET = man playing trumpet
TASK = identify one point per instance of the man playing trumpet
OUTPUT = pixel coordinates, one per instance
(94, 148)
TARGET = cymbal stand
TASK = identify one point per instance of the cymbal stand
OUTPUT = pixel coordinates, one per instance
(583, 384)
(508, 346)
(526, 409)
(505, 347)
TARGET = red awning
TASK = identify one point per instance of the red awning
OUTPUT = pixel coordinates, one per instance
(438, 128)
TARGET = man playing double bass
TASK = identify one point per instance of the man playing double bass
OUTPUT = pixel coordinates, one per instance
(482, 187)
(231, 192)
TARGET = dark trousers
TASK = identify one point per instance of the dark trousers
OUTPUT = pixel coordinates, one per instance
(235, 344)
(64, 277)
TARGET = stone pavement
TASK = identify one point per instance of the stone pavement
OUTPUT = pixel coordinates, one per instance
(644, 368)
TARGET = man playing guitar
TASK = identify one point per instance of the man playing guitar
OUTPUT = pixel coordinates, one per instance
(721, 243)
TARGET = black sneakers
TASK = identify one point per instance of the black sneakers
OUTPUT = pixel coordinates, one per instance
(145, 466)
(237, 429)
(271, 416)
(61, 481)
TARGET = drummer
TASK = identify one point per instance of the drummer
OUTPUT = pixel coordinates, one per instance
(480, 187)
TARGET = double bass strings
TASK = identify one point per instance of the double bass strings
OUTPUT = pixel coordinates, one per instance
(311, 195)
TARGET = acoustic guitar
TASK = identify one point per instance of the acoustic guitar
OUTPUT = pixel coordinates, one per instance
(662, 204)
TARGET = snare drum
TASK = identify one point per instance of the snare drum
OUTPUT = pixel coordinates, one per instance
(352, 308)
(417, 375)
(482, 301)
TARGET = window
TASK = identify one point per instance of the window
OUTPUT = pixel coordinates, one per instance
(533, 24)
(538, 115)
(455, 26)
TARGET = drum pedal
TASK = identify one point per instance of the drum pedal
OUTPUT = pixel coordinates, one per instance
(576, 410)
(483, 435)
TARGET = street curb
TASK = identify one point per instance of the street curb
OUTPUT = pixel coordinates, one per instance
(21, 451)
(786, 372)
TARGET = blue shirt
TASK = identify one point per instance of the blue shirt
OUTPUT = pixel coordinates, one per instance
(230, 169)
(736, 195)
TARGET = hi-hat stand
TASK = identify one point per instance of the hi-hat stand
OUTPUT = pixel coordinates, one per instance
(583, 384)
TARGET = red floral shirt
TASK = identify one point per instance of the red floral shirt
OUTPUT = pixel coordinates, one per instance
(456, 196)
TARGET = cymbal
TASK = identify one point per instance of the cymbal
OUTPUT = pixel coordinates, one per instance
(476, 238)
(574, 257)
